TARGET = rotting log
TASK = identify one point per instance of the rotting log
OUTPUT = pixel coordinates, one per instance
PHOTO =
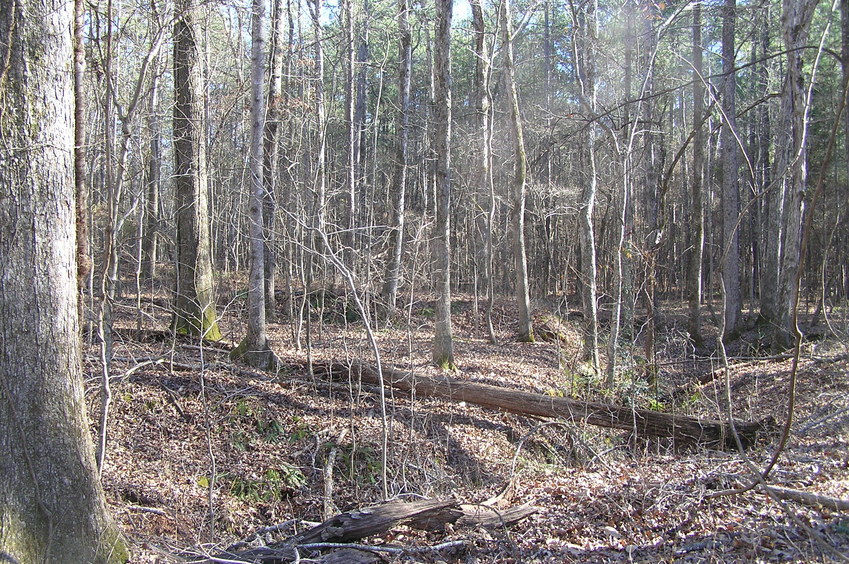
(352, 526)
(641, 423)
(355, 525)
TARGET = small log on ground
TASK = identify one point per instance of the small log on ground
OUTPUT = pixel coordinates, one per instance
(642, 423)
(355, 525)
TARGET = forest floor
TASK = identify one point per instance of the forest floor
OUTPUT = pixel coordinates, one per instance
(203, 452)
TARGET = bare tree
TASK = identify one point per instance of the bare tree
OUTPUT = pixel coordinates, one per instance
(443, 343)
(399, 183)
(254, 348)
(194, 303)
(519, 181)
(696, 233)
(784, 223)
(730, 174)
(272, 157)
(153, 180)
(483, 105)
(52, 505)
(586, 23)
(81, 188)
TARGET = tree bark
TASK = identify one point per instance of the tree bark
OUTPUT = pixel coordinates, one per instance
(81, 188)
(786, 200)
(52, 506)
(254, 349)
(622, 261)
(730, 175)
(351, 124)
(405, 65)
(641, 423)
(443, 345)
(350, 526)
(586, 70)
(153, 181)
(519, 181)
(272, 159)
(483, 105)
(194, 303)
(696, 233)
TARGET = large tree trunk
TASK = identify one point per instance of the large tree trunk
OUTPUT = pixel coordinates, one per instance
(194, 304)
(52, 507)
(443, 344)
(786, 200)
(519, 181)
(641, 423)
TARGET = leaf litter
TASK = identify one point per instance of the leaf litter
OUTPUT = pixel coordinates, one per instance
(203, 453)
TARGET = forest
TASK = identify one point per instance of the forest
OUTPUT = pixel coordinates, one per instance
(411, 281)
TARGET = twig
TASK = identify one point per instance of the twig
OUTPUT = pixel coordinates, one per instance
(144, 509)
(259, 532)
(808, 498)
(388, 549)
(822, 420)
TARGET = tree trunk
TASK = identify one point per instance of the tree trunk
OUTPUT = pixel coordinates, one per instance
(81, 188)
(52, 506)
(194, 303)
(641, 423)
(405, 64)
(443, 345)
(254, 348)
(351, 124)
(483, 104)
(730, 176)
(585, 57)
(844, 56)
(786, 203)
(153, 181)
(519, 181)
(696, 232)
(271, 159)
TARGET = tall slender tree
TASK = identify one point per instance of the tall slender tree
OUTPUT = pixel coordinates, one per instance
(153, 179)
(730, 174)
(254, 348)
(81, 188)
(272, 156)
(519, 181)
(483, 105)
(786, 199)
(194, 303)
(586, 22)
(443, 343)
(399, 183)
(694, 266)
(52, 506)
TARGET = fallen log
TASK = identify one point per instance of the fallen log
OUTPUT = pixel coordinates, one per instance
(684, 431)
(355, 525)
